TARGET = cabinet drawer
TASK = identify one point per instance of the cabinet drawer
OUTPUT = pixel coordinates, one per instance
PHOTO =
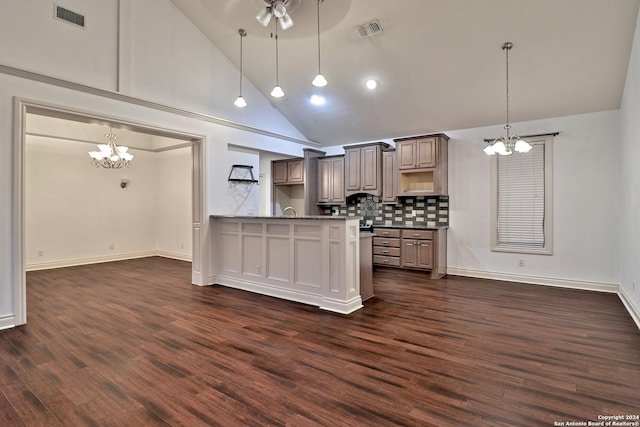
(383, 241)
(386, 251)
(386, 260)
(417, 234)
(387, 232)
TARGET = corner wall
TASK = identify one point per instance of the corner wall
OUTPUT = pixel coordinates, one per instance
(629, 182)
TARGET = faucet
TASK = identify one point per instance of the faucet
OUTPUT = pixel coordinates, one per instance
(289, 208)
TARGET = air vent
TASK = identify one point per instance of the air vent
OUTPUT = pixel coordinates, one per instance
(69, 16)
(369, 29)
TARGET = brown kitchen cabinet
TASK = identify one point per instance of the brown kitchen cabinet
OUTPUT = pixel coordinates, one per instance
(331, 180)
(422, 168)
(289, 171)
(363, 168)
(411, 248)
(389, 177)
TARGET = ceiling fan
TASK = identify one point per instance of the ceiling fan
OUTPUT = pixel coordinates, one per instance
(277, 9)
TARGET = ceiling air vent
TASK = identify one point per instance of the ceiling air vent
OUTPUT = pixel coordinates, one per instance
(69, 16)
(369, 29)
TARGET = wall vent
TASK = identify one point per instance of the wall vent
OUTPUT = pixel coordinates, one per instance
(69, 16)
(369, 29)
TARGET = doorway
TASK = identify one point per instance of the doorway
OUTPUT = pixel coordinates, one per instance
(25, 109)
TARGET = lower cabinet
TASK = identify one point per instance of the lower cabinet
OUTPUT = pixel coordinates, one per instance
(412, 249)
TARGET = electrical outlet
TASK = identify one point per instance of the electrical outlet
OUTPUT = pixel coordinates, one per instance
(257, 269)
(633, 286)
(521, 262)
(40, 253)
(112, 246)
(181, 245)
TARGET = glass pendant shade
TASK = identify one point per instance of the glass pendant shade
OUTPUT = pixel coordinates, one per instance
(240, 102)
(277, 92)
(319, 81)
(111, 156)
(522, 146)
(264, 16)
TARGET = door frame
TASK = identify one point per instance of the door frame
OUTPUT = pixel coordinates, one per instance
(200, 223)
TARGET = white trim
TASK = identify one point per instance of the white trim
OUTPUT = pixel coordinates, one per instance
(86, 261)
(630, 306)
(536, 280)
(173, 255)
(7, 322)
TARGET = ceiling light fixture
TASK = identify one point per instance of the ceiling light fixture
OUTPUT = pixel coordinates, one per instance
(506, 144)
(277, 9)
(240, 102)
(319, 80)
(371, 84)
(317, 100)
(277, 91)
(110, 155)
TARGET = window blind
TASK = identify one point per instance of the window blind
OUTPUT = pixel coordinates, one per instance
(521, 199)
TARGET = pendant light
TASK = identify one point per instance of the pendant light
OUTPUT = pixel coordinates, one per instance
(319, 80)
(506, 144)
(240, 102)
(277, 91)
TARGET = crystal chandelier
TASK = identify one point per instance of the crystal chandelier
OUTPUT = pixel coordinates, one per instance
(508, 143)
(110, 155)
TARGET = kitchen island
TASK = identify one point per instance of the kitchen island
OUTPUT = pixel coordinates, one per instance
(309, 259)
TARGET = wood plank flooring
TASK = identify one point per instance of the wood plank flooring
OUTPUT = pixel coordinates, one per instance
(133, 343)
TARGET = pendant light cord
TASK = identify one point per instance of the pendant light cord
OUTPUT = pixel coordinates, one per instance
(277, 67)
(318, 16)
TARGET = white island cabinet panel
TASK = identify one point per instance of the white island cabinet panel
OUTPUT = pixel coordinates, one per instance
(313, 260)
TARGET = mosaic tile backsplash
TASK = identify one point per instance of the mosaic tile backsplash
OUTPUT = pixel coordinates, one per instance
(420, 210)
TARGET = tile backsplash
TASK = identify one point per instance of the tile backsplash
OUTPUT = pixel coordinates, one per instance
(429, 211)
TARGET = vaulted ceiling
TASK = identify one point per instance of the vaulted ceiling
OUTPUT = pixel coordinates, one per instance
(439, 64)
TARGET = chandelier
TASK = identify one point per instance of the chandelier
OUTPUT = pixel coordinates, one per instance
(110, 155)
(507, 143)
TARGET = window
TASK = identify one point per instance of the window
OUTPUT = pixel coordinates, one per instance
(521, 199)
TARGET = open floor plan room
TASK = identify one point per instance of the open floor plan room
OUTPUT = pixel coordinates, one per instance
(135, 343)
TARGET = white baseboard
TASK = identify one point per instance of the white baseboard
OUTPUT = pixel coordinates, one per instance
(536, 280)
(7, 322)
(630, 306)
(172, 255)
(86, 261)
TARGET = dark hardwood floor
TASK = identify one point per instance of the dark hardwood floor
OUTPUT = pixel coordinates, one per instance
(133, 343)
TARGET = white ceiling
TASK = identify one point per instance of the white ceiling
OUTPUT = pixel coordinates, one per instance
(439, 63)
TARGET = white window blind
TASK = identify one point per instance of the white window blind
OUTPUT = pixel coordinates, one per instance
(521, 199)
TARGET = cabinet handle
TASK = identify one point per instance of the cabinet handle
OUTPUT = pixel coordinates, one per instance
(416, 234)
(385, 260)
(385, 233)
(384, 242)
(385, 252)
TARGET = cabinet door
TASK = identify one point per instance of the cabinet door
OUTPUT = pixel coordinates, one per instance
(409, 254)
(389, 177)
(370, 157)
(424, 251)
(337, 180)
(426, 153)
(295, 171)
(406, 154)
(279, 172)
(352, 169)
(324, 181)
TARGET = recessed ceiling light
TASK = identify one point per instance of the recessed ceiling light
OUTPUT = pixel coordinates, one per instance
(317, 100)
(371, 84)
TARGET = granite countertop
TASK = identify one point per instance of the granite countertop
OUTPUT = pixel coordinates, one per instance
(307, 217)
(414, 226)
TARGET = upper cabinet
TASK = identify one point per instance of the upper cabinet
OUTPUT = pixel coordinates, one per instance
(417, 153)
(422, 165)
(331, 180)
(363, 168)
(289, 171)
(389, 177)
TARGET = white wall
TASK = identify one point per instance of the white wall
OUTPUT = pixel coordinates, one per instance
(243, 198)
(630, 181)
(586, 194)
(173, 191)
(75, 212)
